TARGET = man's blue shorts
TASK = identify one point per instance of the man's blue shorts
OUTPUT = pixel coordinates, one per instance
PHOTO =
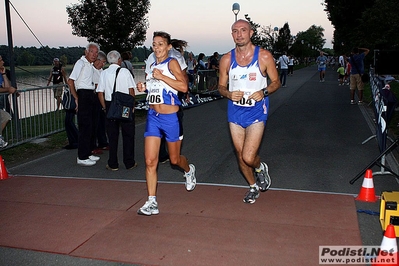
(159, 125)
(246, 116)
(322, 69)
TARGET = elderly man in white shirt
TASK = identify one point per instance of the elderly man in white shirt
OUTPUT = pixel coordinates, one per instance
(81, 84)
(125, 84)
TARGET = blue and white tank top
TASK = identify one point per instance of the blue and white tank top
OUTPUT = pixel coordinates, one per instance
(158, 91)
(248, 79)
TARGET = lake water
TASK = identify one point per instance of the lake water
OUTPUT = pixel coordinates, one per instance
(36, 98)
(38, 78)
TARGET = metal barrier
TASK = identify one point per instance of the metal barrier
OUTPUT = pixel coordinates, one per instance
(34, 115)
(205, 80)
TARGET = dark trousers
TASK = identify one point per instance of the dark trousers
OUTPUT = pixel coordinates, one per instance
(71, 129)
(283, 76)
(101, 136)
(87, 122)
(128, 136)
(290, 69)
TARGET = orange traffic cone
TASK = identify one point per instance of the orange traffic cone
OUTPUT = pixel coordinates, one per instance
(3, 170)
(367, 192)
(388, 254)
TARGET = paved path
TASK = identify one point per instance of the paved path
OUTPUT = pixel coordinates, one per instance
(313, 146)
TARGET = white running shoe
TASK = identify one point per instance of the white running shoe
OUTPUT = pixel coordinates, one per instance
(263, 179)
(149, 208)
(191, 181)
(94, 158)
(86, 162)
(3, 143)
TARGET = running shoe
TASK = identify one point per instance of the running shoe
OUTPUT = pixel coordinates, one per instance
(110, 168)
(149, 208)
(251, 195)
(3, 143)
(191, 181)
(263, 179)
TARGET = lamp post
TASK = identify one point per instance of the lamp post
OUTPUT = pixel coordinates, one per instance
(236, 9)
(275, 30)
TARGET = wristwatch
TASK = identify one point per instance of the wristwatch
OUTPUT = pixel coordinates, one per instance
(265, 92)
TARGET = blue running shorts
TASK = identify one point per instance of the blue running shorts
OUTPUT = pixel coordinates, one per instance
(159, 125)
(246, 116)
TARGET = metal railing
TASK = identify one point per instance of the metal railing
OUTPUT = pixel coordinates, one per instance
(34, 113)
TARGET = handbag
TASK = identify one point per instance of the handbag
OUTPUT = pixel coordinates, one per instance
(68, 102)
(122, 105)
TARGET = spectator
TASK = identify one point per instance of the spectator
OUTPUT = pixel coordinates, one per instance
(283, 66)
(347, 71)
(341, 60)
(5, 87)
(291, 65)
(81, 84)
(4, 119)
(100, 141)
(124, 83)
(57, 76)
(357, 70)
(214, 73)
(191, 64)
(201, 66)
(126, 57)
(341, 74)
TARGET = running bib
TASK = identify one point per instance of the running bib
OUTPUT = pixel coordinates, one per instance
(245, 102)
(155, 92)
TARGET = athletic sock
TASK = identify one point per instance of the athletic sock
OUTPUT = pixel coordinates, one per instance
(254, 186)
(152, 198)
(259, 169)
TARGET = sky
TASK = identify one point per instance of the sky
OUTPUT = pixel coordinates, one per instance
(204, 24)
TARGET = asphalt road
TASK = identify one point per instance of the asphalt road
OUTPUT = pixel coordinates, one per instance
(313, 142)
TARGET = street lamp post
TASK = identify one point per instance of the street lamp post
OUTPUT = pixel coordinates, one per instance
(275, 30)
(236, 9)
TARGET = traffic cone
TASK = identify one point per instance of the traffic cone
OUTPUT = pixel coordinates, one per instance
(388, 254)
(3, 170)
(367, 192)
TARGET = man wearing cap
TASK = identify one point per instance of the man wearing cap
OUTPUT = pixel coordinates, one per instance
(57, 75)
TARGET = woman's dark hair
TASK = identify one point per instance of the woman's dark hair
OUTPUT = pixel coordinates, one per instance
(125, 56)
(179, 45)
(163, 35)
(201, 56)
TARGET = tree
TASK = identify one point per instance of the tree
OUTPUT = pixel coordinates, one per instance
(113, 24)
(284, 39)
(26, 59)
(346, 16)
(262, 35)
(382, 26)
(308, 43)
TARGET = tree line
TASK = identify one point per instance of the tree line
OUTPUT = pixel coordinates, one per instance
(33, 56)
(372, 24)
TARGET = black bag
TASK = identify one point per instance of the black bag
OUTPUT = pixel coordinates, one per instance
(122, 105)
(68, 102)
